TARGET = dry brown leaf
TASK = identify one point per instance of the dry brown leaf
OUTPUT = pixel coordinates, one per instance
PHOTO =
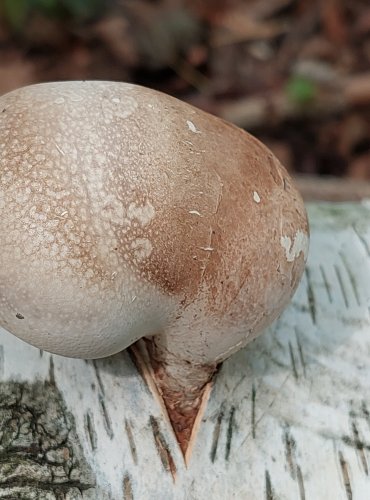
(238, 26)
(334, 21)
(115, 33)
(15, 71)
(359, 168)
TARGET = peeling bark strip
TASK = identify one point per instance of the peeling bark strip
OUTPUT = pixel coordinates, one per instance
(40, 451)
(106, 418)
(269, 491)
(291, 458)
(290, 447)
(90, 430)
(302, 492)
(163, 448)
(310, 296)
(230, 430)
(360, 447)
(300, 351)
(131, 441)
(216, 435)
(253, 416)
(341, 285)
(345, 475)
(51, 371)
(127, 488)
(292, 359)
(98, 377)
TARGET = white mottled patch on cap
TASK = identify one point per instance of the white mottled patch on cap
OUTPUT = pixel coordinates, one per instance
(256, 197)
(130, 106)
(294, 248)
(117, 108)
(192, 127)
(143, 213)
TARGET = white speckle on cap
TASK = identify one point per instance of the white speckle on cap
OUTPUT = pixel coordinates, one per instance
(256, 197)
(192, 127)
(59, 100)
(194, 212)
(294, 249)
(207, 249)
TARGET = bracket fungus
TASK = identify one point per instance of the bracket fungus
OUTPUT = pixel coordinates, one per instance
(126, 214)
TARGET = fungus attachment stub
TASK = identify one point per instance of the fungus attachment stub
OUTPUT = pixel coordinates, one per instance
(126, 214)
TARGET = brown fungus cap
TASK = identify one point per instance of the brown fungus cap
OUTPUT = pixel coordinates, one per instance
(125, 213)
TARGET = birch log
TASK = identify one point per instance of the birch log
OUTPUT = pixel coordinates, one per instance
(288, 417)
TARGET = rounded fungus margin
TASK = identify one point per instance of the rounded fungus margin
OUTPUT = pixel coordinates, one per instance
(128, 214)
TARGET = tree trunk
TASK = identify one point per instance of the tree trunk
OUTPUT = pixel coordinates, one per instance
(288, 417)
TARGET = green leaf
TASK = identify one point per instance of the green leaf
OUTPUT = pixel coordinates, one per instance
(301, 90)
(47, 6)
(16, 12)
(83, 9)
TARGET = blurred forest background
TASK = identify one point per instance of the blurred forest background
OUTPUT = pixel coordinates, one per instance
(295, 73)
